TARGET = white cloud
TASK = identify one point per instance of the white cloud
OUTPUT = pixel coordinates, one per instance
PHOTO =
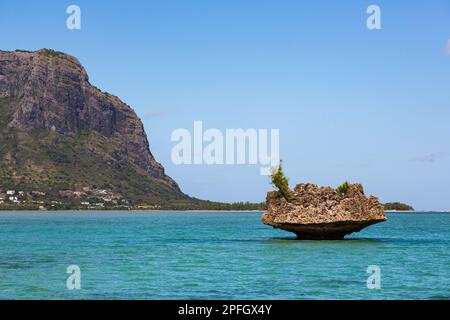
(430, 157)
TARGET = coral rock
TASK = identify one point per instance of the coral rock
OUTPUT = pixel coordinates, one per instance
(322, 213)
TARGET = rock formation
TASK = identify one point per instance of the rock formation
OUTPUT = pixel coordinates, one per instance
(323, 213)
(56, 128)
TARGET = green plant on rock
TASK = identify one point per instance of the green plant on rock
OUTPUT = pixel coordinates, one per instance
(343, 188)
(280, 181)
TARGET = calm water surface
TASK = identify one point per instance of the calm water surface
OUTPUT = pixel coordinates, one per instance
(216, 255)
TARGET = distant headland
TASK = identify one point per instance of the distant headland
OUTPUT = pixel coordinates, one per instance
(65, 144)
(397, 206)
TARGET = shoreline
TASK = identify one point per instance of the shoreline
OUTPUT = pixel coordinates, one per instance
(184, 211)
(133, 210)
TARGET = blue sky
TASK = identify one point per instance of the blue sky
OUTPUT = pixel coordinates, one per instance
(351, 103)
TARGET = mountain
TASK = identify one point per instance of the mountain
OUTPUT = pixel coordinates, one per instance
(58, 132)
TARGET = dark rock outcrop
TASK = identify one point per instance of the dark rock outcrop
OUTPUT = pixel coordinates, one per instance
(321, 213)
(49, 91)
(54, 93)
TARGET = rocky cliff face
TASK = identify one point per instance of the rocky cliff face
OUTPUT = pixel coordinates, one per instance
(318, 213)
(48, 94)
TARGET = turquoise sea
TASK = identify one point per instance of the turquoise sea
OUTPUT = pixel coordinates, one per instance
(216, 255)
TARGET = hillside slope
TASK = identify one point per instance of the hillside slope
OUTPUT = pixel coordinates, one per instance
(58, 132)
